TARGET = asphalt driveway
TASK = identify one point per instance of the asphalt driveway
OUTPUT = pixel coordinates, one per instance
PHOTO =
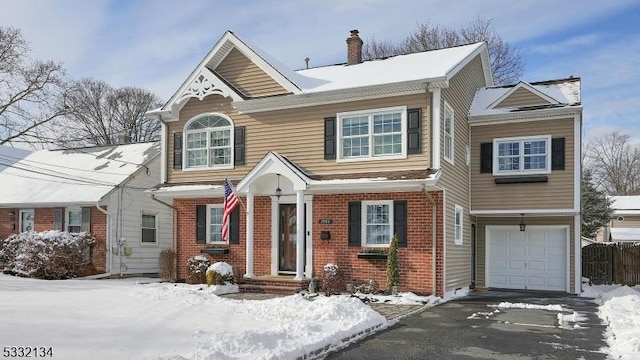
(476, 328)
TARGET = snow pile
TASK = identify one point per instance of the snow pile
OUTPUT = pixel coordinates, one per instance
(550, 307)
(403, 298)
(620, 310)
(220, 275)
(221, 268)
(166, 321)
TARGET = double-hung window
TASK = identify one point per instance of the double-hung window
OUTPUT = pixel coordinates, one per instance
(372, 134)
(449, 145)
(209, 142)
(149, 229)
(526, 155)
(74, 220)
(377, 223)
(214, 223)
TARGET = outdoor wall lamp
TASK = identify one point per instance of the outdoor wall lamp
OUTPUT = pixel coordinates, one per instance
(523, 226)
(278, 190)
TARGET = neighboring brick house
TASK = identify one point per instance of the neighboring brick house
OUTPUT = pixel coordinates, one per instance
(361, 151)
(96, 189)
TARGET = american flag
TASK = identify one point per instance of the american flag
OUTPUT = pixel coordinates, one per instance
(230, 203)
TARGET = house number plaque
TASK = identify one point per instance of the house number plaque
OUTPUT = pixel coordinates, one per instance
(325, 221)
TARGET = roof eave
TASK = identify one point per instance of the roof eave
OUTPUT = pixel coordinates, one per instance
(543, 114)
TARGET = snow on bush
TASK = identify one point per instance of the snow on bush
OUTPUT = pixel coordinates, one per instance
(196, 269)
(220, 273)
(331, 279)
(48, 255)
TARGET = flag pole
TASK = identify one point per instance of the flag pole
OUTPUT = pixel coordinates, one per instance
(233, 188)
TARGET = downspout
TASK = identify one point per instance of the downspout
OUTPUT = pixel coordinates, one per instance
(108, 239)
(174, 236)
(434, 239)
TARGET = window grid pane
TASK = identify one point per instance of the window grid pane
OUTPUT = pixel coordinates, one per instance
(523, 155)
(215, 225)
(378, 226)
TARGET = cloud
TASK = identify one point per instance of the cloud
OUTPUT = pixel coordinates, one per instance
(567, 45)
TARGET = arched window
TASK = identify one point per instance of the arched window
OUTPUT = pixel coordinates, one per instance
(209, 142)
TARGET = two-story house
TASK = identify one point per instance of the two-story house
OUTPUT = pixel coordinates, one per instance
(330, 162)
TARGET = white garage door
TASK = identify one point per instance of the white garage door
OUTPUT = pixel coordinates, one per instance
(534, 259)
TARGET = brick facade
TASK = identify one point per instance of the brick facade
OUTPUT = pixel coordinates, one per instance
(415, 260)
(44, 220)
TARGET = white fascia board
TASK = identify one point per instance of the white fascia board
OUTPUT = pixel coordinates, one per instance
(370, 186)
(518, 212)
(330, 97)
(168, 193)
(524, 116)
(48, 205)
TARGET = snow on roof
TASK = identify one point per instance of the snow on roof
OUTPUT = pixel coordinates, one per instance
(625, 234)
(55, 177)
(9, 155)
(566, 92)
(434, 64)
(631, 202)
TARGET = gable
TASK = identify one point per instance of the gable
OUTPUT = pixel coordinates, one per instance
(522, 97)
(247, 77)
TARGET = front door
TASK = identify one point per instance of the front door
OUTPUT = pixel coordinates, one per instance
(287, 239)
(26, 220)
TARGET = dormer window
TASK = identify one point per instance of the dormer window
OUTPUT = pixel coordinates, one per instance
(209, 142)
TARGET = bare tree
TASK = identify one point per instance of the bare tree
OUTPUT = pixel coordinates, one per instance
(99, 114)
(506, 60)
(32, 92)
(614, 163)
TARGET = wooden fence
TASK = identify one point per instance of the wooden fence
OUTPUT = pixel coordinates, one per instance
(611, 263)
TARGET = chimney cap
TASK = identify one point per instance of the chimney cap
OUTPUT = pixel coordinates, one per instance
(354, 32)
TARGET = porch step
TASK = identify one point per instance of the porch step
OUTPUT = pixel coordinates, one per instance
(273, 285)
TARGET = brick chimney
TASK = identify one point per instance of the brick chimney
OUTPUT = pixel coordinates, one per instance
(354, 48)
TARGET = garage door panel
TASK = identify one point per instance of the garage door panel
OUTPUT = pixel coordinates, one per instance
(533, 259)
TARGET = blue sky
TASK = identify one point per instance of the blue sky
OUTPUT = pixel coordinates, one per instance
(154, 44)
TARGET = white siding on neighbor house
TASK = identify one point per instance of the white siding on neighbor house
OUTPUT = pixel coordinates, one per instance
(128, 225)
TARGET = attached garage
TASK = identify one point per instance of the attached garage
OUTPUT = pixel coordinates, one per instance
(534, 259)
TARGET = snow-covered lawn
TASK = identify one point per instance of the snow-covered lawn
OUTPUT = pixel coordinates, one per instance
(125, 319)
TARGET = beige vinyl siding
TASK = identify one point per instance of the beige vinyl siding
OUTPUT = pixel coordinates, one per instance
(247, 77)
(455, 178)
(630, 221)
(482, 222)
(297, 134)
(557, 193)
(522, 97)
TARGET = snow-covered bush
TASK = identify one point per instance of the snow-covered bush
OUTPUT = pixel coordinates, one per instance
(220, 273)
(196, 269)
(49, 254)
(166, 264)
(331, 280)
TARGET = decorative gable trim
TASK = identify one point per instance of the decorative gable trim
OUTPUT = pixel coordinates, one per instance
(528, 87)
(203, 84)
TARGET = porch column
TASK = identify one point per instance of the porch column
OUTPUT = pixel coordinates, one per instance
(249, 224)
(300, 221)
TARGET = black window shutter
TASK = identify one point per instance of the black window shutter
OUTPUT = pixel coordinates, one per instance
(201, 224)
(86, 219)
(234, 227)
(486, 158)
(177, 151)
(414, 138)
(355, 223)
(330, 138)
(57, 219)
(400, 221)
(557, 154)
(238, 145)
